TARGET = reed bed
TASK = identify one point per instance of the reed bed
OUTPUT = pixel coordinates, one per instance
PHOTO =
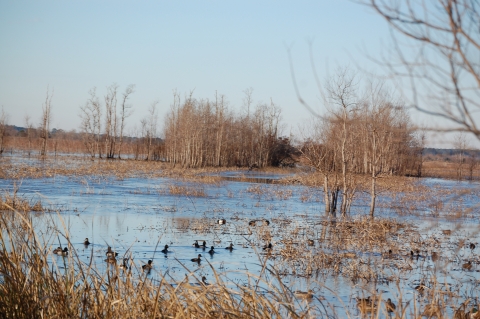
(33, 284)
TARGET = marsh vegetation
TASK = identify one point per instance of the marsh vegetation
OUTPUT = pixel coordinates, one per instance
(289, 259)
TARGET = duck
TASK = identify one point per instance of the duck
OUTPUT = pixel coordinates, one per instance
(198, 259)
(195, 244)
(467, 265)
(420, 288)
(268, 247)
(111, 260)
(86, 242)
(204, 245)
(110, 253)
(366, 305)
(63, 252)
(221, 221)
(165, 250)
(148, 265)
(204, 281)
(474, 314)
(124, 264)
(230, 247)
(57, 250)
(390, 305)
(446, 232)
(472, 246)
(211, 251)
(304, 294)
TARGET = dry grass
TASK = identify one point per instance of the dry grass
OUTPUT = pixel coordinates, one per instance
(12, 201)
(34, 285)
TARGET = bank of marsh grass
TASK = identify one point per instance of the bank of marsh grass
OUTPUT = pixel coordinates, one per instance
(36, 284)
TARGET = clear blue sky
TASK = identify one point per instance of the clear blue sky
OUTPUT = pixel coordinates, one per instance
(206, 46)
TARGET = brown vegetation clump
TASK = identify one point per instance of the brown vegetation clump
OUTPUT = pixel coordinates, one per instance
(187, 191)
(12, 202)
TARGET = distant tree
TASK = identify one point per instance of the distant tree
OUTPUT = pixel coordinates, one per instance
(461, 145)
(28, 132)
(110, 136)
(472, 163)
(125, 112)
(3, 129)
(90, 115)
(45, 122)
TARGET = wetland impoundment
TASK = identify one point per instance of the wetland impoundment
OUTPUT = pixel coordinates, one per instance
(420, 249)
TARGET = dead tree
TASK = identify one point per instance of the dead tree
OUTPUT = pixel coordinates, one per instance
(45, 122)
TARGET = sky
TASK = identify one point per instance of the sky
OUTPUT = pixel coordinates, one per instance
(209, 47)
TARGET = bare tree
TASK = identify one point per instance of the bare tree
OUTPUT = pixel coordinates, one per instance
(111, 120)
(472, 163)
(29, 128)
(45, 122)
(436, 45)
(149, 129)
(342, 94)
(318, 153)
(461, 145)
(90, 115)
(3, 129)
(124, 113)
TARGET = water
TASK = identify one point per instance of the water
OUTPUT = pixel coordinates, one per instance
(138, 216)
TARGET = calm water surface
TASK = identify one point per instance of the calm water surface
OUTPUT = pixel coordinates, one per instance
(138, 216)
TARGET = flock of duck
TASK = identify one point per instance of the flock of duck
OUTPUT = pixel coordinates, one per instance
(111, 255)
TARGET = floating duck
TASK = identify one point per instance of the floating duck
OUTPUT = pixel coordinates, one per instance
(110, 253)
(204, 244)
(420, 288)
(366, 305)
(86, 242)
(467, 265)
(268, 247)
(148, 266)
(304, 294)
(165, 250)
(211, 251)
(124, 264)
(57, 250)
(221, 221)
(63, 252)
(195, 244)
(198, 259)
(204, 281)
(230, 247)
(390, 305)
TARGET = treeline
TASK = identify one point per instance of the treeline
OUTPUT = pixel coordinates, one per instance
(201, 133)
